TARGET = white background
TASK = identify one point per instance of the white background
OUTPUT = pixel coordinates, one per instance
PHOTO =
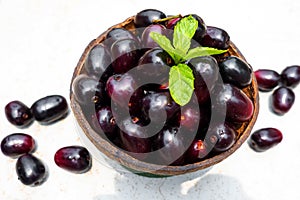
(40, 44)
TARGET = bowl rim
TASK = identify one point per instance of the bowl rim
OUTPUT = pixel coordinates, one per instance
(132, 163)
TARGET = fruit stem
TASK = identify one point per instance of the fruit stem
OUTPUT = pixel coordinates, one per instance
(166, 19)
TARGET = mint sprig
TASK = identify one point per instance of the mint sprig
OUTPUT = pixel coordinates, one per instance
(181, 78)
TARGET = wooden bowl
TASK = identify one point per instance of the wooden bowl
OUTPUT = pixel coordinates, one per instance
(144, 168)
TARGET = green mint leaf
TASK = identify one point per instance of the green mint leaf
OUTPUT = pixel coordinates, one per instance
(202, 51)
(184, 32)
(165, 44)
(181, 83)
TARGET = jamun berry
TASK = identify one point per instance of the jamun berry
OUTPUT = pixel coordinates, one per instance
(221, 137)
(146, 17)
(17, 144)
(267, 79)
(239, 107)
(196, 152)
(290, 76)
(88, 91)
(216, 38)
(18, 114)
(282, 100)
(264, 139)
(98, 61)
(31, 170)
(76, 159)
(50, 109)
(125, 54)
(235, 71)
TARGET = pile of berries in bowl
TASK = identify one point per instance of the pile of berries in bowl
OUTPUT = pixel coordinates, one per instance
(164, 95)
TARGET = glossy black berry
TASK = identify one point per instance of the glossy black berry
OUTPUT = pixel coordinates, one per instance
(264, 139)
(267, 79)
(201, 29)
(282, 100)
(205, 70)
(125, 55)
(120, 87)
(290, 76)
(216, 38)
(50, 109)
(98, 61)
(146, 17)
(76, 159)
(118, 34)
(88, 91)
(18, 114)
(196, 152)
(17, 144)
(31, 170)
(235, 71)
(239, 107)
(221, 137)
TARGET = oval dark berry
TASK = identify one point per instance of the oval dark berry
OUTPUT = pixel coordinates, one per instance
(17, 144)
(89, 91)
(235, 71)
(290, 76)
(282, 100)
(98, 61)
(221, 136)
(118, 34)
(146, 17)
(125, 55)
(50, 109)
(18, 114)
(267, 79)
(76, 159)
(264, 139)
(196, 152)
(239, 107)
(216, 38)
(201, 29)
(31, 170)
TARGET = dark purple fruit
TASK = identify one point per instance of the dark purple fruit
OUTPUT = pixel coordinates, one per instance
(125, 55)
(282, 100)
(17, 144)
(170, 145)
(18, 114)
(196, 152)
(135, 138)
(146, 17)
(235, 71)
(88, 91)
(98, 61)
(147, 41)
(118, 34)
(31, 170)
(205, 70)
(264, 139)
(215, 38)
(104, 122)
(50, 109)
(267, 79)
(221, 137)
(201, 29)
(120, 87)
(76, 159)
(239, 107)
(172, 23)
(290, 76)
(160, 106)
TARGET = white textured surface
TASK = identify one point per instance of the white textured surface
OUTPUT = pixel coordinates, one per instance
(40, 44)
